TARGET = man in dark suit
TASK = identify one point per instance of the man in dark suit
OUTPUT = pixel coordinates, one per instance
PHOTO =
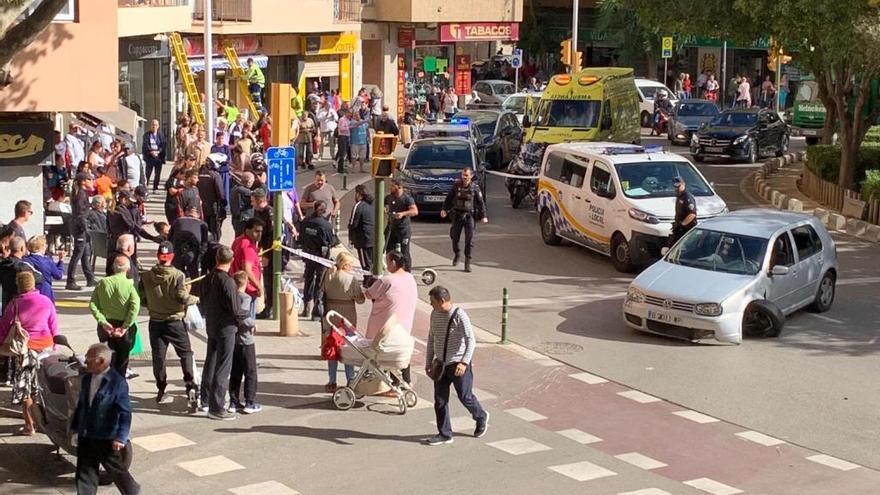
(153, 151)
(360, 226)
(102, 422)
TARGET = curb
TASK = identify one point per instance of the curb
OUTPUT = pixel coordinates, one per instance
(832, 220)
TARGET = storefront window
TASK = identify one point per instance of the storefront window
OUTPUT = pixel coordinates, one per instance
(427, 66)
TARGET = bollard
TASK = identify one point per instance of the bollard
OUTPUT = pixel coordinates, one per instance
(345, 181)
(337, 224)
(504, 301)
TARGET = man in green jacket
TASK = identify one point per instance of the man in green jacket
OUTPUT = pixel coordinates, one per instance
(115, 304)
(256, 82)
(296, 103)
(165, 293)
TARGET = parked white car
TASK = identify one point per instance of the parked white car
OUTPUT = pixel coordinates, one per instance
(521, 104)
(736, 274)
(647, 89)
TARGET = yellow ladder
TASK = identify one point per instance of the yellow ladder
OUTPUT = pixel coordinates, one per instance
(239, 75)
(189, 84)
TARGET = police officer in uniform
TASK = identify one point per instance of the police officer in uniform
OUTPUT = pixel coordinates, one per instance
(316, 238)
(400, 207)
(685, 211)
(465, 205)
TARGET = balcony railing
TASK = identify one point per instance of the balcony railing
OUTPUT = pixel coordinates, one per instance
(224, 10)
(347, 10)
(153, 3)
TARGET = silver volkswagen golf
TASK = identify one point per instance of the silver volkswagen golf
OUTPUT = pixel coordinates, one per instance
(736, 274)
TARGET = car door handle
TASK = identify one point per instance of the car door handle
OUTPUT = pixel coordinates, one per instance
(578, 197)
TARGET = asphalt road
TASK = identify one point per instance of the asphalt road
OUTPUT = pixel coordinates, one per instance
(814, 386)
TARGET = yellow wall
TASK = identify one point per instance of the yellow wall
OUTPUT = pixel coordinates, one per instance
(71, 66)
(445, 11)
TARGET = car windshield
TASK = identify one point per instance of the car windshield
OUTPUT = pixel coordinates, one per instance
(439, 154)
(735, 119)
(569, 113)
(516, 104)
(650, 91)
(651, 179)
(719, 252)
(502, 89)
(697, 110)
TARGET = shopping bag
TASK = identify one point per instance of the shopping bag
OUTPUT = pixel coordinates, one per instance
(138, 347)
(330, 348)
(193, 320)
(16, 342)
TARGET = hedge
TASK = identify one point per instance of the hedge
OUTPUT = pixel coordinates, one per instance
(873, 135)
(824, 160)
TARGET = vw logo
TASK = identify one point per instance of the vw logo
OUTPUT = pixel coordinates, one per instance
(667, 304)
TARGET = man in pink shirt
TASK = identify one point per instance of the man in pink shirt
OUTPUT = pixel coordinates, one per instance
(246, 258)
(393, 294)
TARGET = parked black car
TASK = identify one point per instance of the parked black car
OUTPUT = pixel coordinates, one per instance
(742, 134)
(497, 134)
(687, 118)
(432, 167)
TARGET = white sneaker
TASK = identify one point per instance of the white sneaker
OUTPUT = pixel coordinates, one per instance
(252, 408)
(438, 440)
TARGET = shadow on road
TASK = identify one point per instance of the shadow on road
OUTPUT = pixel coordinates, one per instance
(332, 435)
(582, 321)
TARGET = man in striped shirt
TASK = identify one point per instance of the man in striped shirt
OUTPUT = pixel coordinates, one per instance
(451, 340)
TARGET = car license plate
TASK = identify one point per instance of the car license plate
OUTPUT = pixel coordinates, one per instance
(665, 318)
(809, 132)
(435, 199)
(714, 149)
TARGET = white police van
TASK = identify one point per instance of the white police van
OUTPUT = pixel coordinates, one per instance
(617, 199)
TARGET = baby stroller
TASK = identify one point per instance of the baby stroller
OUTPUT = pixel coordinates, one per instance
(379, 360)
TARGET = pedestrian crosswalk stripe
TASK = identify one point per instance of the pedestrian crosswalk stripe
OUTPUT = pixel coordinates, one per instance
(646, 491)
(519, 446)
(833, 462)
(711, 486)
(582, 471)
(264, 488)
(163, 441)
(588, 378)
(579, 436)
(641, 461)
(639, 397)
(525, 414)
(759, 438)
(695, 416)
(210, 466)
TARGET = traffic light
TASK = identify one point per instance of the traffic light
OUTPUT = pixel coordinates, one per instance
(384, 164)
(565, 52)
(578, 59)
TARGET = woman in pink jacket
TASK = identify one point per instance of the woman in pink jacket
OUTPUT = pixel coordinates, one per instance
(36, 313)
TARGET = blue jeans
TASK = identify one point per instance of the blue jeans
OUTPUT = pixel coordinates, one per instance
(333, 366)
(464, 389)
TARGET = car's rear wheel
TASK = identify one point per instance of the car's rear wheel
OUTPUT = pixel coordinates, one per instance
(548, 230)
(621, 254)
(825, 294)
(699, 158)
(762, 319)
(646, 119)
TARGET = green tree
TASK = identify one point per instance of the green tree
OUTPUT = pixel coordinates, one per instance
(15, 35)
(837, 41)
(636, 42)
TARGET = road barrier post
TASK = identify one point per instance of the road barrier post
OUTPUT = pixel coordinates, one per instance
(504, 301)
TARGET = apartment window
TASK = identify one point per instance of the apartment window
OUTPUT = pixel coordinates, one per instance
(66, 14)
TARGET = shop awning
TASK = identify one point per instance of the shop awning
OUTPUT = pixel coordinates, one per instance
(197, 64)
(123, 119)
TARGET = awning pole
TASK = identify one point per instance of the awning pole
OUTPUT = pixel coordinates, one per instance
(209, 73)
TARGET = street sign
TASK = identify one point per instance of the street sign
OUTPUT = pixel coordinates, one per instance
(516, 61)
(667, 47)
(281, 164)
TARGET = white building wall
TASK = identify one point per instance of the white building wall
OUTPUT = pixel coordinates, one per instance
(17, 183)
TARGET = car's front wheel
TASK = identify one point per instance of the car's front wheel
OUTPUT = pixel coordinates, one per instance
(825, 294)
(548, 230)
(646, 119)
(621, 254)
(762, 319)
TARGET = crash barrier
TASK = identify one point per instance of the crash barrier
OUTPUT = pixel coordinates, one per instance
(837, 198)
(504, 302)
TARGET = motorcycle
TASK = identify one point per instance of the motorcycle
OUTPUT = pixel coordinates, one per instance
(526, 163)
(661, 123)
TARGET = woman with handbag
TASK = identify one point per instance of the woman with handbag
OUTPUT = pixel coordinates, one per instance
(341, 293)
(27, 327)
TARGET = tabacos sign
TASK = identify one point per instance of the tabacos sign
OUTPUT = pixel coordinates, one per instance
(479, 31)
(25, 143)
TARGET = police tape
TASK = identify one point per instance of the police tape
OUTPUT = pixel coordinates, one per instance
(512, 176)
(275, 245)
(321, 260)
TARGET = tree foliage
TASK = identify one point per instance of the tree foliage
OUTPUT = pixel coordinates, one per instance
(16, 35)
(837, 41)
(636, 41)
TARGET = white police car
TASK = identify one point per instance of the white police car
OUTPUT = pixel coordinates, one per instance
(617, 199)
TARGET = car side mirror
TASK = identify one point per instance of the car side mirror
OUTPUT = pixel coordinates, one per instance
(779, 270)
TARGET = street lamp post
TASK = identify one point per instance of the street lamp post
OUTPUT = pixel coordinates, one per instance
(209, 73)
(575, 10)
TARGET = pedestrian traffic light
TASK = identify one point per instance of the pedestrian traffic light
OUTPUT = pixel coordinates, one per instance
(565, 52)
(384, 144)
(577, 63)
(384, 167)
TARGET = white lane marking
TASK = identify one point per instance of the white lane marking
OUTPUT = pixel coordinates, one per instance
(759, 438)
(549, 362)
(646, 491)
(641, 461)
(696, 417)
(711, 486)
(460, 424)
(582, 471)
(519, 446)
(482, 394)
(640, 397)
(265, 488)
(833, 462)
(525, 414)
(210, 466)
(827, 318)
(579, 436)
(858, 281)
(163, 441)
(588, 378)
(541, 301)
